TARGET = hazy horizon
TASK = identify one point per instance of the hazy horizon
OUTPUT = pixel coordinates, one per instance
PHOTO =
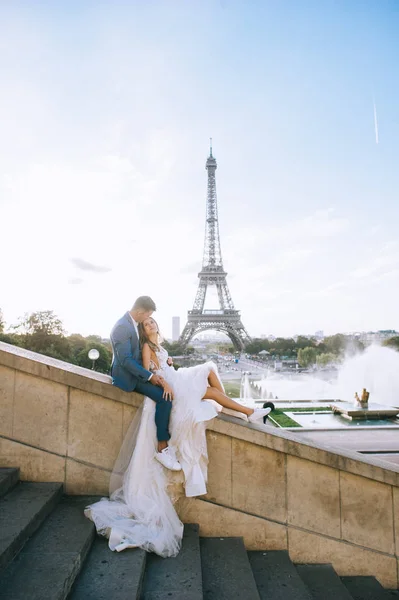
(106, 110)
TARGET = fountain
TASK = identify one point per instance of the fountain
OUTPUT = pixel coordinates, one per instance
(375, 372)
(245, 388)
(376, 369)
(297, 387)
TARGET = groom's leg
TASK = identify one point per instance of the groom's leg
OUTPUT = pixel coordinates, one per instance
(162, 409)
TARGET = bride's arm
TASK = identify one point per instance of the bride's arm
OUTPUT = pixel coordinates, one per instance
(146, 356)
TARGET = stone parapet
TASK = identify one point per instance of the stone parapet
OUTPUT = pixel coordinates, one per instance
(60, 422)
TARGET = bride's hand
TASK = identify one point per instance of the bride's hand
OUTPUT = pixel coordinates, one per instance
(167, 392)
(157, 380)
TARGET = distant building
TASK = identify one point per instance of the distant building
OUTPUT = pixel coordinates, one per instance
(372, 337)
(175, 328)
(319, 335)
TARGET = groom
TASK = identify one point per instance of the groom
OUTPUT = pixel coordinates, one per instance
(128, 374)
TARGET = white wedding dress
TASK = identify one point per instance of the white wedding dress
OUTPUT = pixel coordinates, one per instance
(140, 511)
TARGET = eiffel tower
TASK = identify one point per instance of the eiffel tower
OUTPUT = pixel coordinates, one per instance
(225, 319)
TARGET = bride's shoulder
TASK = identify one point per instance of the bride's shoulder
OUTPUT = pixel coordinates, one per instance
(162, 351)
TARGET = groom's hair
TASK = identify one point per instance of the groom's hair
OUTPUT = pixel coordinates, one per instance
(144, 303)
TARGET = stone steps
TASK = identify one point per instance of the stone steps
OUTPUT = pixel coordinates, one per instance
(323, 582)
(176, 578)
(8, 479)
(110, 575)
(276, 576)
(49, 551)
(365, 588)
(51, 560)
(226, 570)
(22, 511)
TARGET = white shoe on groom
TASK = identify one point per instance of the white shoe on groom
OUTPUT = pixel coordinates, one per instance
(168, 459)
(258, 413)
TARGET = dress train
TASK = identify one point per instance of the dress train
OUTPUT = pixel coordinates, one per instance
(140, 510)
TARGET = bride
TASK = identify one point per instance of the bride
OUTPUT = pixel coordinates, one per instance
(140, 511)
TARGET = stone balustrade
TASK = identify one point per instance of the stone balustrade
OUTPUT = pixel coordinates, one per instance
(59, 422)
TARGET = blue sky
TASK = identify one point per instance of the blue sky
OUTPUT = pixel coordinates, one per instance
(105, 111)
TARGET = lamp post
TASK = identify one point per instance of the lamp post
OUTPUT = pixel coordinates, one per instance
(93, 354)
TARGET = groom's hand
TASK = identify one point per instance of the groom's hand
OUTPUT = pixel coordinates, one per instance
(156, 380)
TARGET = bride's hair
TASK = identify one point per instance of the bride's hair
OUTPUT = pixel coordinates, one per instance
(145, 340)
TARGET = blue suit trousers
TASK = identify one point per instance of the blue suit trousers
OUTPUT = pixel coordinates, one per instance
(162, 409)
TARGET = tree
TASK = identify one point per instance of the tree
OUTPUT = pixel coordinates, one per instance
(12, 338)
(307, 356)
(102, 364)
(285, 347)
(77, 343)
(353, 346)
(94, 339)
(2, 322)
(392, 342)
(335, 343)
(56, 346)
(305, 342)
(80, 347)
(44, 333)
(177, 349)
(326, 358)
(255, 346)
(42, 322)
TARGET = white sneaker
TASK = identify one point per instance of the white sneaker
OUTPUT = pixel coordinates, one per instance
(258, 414)
(168, 459)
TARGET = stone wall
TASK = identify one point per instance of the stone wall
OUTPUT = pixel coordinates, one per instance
(63, 423)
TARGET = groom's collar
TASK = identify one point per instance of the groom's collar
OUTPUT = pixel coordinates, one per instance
(132, 320)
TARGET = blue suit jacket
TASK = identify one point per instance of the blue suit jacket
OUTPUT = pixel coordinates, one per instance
(127, 368)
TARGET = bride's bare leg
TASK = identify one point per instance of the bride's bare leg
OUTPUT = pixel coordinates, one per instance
(221, 398)
(214, 381)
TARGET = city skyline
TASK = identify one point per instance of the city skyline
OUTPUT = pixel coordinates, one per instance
(106, 113)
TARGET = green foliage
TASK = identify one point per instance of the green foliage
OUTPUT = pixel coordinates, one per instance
(305, 342)
(41, 323)
(102, 364)
(78, 343)
(256, 345)
(326, 358)
(278, 415)
(283, 347)
(334, 343)
(283, 420)
(392, 342)
(307, 356)
(232, 388)
(43, 332)
(94, 339)
(11, 338)
(2, 322)
(353, 347)
(288, 348)
(309, 409)
(279, 347)
(80, 347)
(177, 349)
(56, 346)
